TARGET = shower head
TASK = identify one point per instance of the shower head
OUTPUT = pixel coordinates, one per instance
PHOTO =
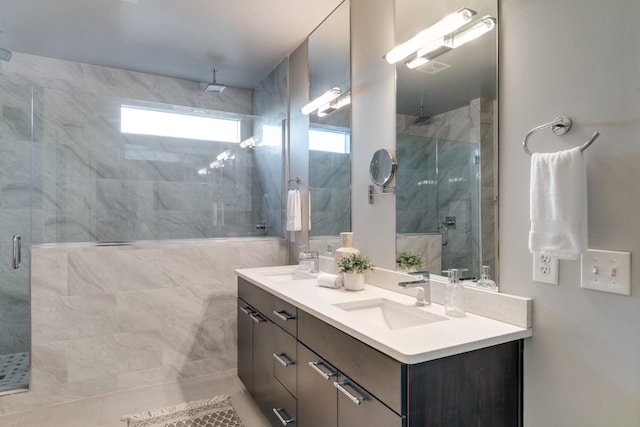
(422, 119)
(5, 54)
(214, 87)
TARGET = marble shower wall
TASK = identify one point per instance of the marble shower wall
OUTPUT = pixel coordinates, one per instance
(117, 317)
(329, 193)
(438, 164)
(270, 104)
(111, 318)
(93, 183)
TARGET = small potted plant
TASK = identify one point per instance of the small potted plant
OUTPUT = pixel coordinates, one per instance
(353, 267)
(409, 261)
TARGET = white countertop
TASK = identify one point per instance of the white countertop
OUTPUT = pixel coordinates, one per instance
(409, 345)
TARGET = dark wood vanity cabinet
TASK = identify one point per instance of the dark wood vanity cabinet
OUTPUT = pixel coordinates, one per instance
(320, 376)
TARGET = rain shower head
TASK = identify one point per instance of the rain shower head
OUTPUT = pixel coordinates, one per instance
(5, 54)
(214, 87)
(422, 119)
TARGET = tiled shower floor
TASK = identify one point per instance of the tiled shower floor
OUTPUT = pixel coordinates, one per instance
(14, 371)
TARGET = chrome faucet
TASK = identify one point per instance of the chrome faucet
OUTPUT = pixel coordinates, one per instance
(422, 283)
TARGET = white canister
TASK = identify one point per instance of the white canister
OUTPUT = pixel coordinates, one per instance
(353, 281)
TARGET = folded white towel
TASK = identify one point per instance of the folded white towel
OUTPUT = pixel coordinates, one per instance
(558, 195)
(294, 211)
(330, 280)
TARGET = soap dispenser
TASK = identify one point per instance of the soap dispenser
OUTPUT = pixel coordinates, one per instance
(454, 295)
(485, 281)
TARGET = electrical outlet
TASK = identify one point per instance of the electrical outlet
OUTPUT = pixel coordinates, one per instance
(606, 271)
(545, 269)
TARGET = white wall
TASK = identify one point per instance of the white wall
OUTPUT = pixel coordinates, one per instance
(372, 126)
(579, 58)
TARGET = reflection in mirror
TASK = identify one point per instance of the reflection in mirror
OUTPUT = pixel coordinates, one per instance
(382, 167)
(329, 131)
(446, 140)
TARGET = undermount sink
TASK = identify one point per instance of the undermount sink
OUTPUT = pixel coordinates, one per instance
(389, 314)
(285, 276)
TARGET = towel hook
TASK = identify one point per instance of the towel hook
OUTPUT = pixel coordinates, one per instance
(560, 125)
(296, 180)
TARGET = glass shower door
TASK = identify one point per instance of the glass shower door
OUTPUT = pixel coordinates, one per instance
(15, 233)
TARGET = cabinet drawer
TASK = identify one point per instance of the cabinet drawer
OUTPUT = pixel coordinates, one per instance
(284, 354)
(357, 408)
(258, 298)
(379, 374)
(284, 407)
(317, 396)
(285, 315)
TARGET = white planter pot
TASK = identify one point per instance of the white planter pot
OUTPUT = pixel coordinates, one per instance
(354, 281)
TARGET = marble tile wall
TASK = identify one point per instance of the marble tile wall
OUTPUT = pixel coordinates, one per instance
(111, 318)
(270, 104)
(438, 177)
(93, 183)
(329, 193)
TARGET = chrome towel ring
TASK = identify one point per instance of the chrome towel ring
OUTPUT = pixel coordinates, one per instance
(560, 125)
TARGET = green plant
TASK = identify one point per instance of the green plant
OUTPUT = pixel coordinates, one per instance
(408, 260)
(355, 263)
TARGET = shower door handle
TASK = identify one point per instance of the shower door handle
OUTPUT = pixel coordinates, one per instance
(17, 251)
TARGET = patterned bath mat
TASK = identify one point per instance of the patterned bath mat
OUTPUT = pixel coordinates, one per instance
(216, 412)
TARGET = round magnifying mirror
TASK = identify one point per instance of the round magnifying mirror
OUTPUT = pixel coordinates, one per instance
(382, 167)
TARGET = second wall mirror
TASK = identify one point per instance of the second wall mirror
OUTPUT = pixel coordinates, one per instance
(330, 130)
(446, 142)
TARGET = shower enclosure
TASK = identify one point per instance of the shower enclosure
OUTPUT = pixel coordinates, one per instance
(437, 192)
(77, 167)
(16, 136)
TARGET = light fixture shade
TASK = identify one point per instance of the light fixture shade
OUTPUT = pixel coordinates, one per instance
(417, 62)
(325, 98)
(481, 27)
(445, 26)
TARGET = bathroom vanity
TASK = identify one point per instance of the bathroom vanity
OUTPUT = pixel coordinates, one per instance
(318, 357)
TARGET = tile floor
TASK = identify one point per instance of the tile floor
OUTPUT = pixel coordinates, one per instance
(106, 410)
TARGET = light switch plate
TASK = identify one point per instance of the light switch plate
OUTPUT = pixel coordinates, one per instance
(545, 269)
(606, 271)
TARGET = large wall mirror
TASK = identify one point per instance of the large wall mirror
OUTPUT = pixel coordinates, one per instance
(329, 130)
(446, 146)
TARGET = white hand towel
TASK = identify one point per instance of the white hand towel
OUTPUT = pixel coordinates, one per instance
(558, 195)
(330, 280)
(294, 211)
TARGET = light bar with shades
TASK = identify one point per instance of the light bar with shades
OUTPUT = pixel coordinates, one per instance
(336, 104)
(481, 27)
(445, 26)
(452, 41)
(323, 99)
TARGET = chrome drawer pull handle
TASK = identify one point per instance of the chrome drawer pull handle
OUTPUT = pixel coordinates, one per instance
(257, 317)
(282, 314)
(17, 252)
(284, 420)
(285, 363)
(325, 375)
(246, 310)
(340, 386)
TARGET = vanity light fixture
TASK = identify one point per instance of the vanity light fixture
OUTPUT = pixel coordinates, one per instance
(325, 98)
(334, 105)
(445, 26)
(249, 142)
(452, 41)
